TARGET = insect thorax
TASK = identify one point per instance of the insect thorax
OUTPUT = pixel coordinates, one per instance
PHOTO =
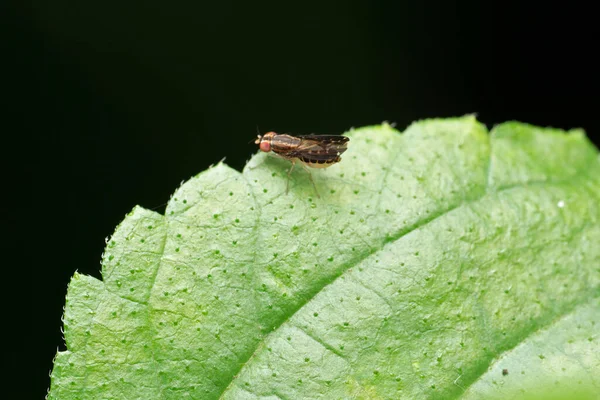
(284, 143)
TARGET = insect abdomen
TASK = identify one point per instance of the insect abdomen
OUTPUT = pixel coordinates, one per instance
(320, 162)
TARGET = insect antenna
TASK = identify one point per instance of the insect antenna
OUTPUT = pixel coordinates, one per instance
(259, 136)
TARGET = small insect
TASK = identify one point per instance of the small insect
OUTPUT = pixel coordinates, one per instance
(314, 151)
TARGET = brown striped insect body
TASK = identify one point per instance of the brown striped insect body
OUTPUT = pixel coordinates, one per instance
(311, 151)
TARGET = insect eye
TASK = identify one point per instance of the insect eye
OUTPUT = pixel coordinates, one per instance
(265, 146)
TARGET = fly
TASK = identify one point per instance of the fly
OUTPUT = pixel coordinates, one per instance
(314, 151)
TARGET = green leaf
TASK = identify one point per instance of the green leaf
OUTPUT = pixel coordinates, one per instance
(433, 260)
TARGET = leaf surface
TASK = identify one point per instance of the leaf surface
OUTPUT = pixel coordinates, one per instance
(433, 258)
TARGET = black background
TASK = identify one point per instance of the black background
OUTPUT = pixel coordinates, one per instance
(108, 105)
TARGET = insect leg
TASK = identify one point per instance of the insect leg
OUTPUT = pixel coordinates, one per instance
(287, 186)
(311, 179)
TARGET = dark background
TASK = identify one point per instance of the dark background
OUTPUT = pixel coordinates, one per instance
(108, 105)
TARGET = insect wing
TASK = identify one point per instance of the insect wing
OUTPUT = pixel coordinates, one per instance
(327, 139)
(321, 149)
